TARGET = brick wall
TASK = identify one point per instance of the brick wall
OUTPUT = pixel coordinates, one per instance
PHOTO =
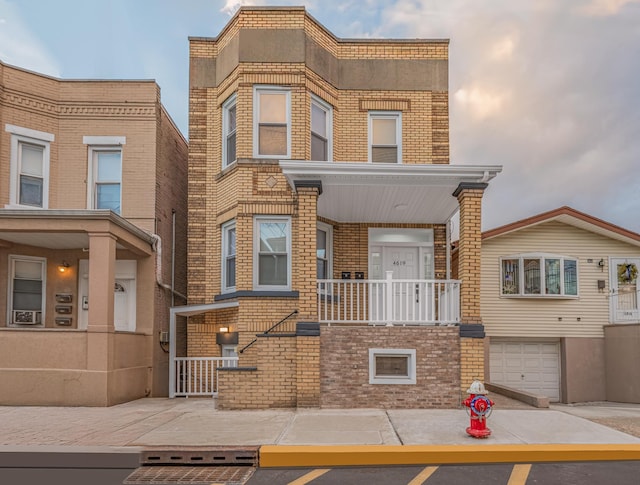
(472, 361)
(344, 367)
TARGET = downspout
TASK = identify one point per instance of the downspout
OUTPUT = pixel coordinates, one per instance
(448, 248)
(173, 256)
(157, 247)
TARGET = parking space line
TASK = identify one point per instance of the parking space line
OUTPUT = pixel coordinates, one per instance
(519, 474)
(423, 475)
(310, 476)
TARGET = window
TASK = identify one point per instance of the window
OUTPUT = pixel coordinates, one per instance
(321, 121)
(272, 126)
(30, 154)
(392, 366)
(105, 172)
(272, 260)
(539, 275)
(385, 135)
(26, 290)
(229, 257)
(323, 250)
(229, 131)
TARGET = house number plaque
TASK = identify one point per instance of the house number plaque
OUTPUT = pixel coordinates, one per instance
(399, 263)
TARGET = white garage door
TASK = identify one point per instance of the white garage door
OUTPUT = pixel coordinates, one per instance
(529, 366)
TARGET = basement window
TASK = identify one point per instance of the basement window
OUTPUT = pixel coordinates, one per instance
(392, 366)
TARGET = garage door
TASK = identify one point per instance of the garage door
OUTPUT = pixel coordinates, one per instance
(529, 366)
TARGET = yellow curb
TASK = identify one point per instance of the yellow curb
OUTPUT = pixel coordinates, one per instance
(362, 455)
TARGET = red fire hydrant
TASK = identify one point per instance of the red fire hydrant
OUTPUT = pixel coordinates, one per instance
(479, 407)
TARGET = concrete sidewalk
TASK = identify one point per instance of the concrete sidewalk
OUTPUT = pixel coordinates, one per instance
(195, 422)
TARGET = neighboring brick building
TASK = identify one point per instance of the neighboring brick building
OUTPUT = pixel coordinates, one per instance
(93, 188)
(320, 193)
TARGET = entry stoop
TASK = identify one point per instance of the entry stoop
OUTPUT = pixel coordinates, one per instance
(195, 465)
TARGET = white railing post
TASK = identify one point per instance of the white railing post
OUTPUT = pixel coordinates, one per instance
(389, 298)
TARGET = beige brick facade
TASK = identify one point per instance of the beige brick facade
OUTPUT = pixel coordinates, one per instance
(285, 48)
(101, 366)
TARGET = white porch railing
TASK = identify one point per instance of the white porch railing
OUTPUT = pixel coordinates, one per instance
(389, 301)
(198, 376)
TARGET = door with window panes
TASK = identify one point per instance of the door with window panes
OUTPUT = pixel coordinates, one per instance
(624, 289)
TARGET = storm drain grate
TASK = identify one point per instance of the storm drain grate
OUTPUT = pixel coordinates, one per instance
(191, 475)
(247, 456)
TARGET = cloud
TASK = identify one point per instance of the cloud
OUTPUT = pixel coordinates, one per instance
(605, 7)
(20, 46)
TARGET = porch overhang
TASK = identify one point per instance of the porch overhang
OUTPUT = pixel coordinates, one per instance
(70, 229)
(386, 193)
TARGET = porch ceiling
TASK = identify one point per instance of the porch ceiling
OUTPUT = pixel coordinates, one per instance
(70, 229)
(386, 193)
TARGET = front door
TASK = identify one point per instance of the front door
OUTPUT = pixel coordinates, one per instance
(404, 263)
(623, 274)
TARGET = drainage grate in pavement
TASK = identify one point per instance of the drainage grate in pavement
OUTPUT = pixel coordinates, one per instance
(191, 475)
(205, 456)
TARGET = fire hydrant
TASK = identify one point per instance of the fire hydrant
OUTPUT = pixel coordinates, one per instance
(479, 408)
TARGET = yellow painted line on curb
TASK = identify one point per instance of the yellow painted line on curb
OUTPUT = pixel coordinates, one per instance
(519, 475)
(308, 477)
(364, 455)
(423, 475)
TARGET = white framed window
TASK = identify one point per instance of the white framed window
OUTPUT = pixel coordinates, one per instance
(229, 131)
(271, 122)
(26, 291)
(539, 275)
(104, 174)
(321, 130)
(29, 171)
(324, 251)
(385, 136)
(229, 257)
(272, 253)
(392, 366)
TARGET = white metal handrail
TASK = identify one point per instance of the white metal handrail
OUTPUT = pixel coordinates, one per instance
(389, 301)
(198, 376)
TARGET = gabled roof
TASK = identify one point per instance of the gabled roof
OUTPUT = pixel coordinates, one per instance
(572, 217)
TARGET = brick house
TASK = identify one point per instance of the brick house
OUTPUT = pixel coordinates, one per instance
(320, 193)
(93, 184)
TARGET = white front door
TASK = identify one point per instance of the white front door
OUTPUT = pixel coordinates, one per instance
(623, 275)
(404, 263)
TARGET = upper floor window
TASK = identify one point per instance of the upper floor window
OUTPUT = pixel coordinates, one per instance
(30, 155)
(272, 253)
(385, 137)
(321, 127)
(229, 131)
(26, 290)
(272, 122)
(105, 172)
(539, 275)
(229, 257)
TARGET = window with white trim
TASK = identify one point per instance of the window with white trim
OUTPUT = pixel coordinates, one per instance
(272, 122)
(321, 130)
(26, 290)
(29, 172)
(229, 257)
(229, 131)
(324, 243)
(539, 275)
(272, 253)
(104, 187)
(392, 366)
(385, 137)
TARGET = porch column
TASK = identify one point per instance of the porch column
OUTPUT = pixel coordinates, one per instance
(307, 329)
(306, 251)
(100, 328)
(471, 329)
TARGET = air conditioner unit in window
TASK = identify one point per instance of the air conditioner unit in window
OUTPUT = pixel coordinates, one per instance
(27, 317)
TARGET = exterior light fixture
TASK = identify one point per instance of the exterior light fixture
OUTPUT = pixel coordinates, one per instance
(63, 267)
(224, 329)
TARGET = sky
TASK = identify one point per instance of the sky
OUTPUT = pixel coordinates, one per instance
(548, 89)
